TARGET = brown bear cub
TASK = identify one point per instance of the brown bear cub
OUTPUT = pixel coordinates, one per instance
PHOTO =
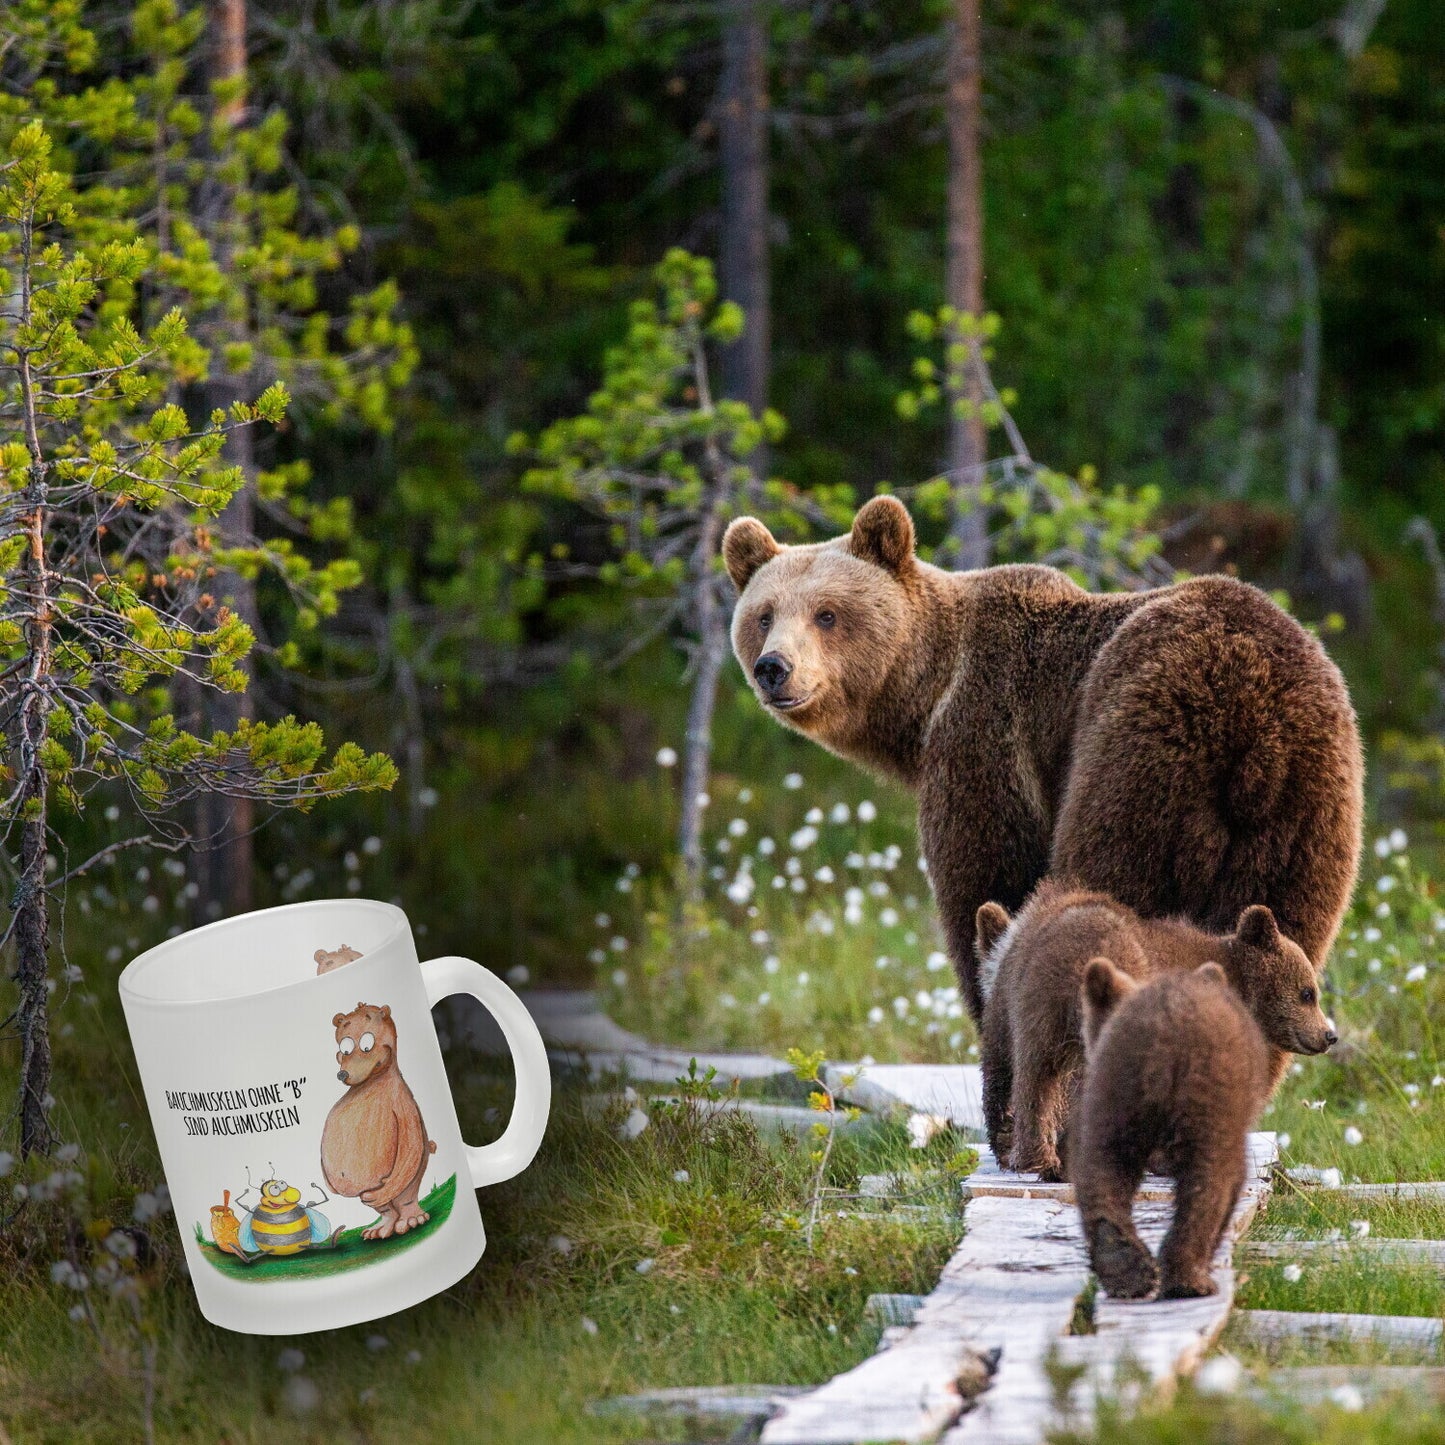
(1031, 969)
(1179, 1070)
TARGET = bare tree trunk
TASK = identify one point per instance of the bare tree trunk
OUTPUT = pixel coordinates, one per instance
(743, 252)
(697, 743)
(30, 903)
(225, 863)
(963, 277)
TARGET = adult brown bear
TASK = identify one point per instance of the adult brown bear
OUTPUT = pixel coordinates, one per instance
(1190, 750)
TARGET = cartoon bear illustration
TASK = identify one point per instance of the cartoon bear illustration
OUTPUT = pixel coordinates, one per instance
(1188, 750)
(1030, 971)
(374, 1145)
(334, 958)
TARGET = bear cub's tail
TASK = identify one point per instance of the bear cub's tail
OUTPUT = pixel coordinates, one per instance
(431, 1146)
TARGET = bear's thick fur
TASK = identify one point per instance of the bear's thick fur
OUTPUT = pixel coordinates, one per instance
(1190, 750)
(374, 1145)
(1178, 1070)
(1031, 971)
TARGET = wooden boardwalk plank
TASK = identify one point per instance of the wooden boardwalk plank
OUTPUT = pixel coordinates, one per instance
(1274, 1326)
(989, 1181)
(1402, 1252)
(951, 1091)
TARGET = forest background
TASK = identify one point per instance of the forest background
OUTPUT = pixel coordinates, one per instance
(1213, 237)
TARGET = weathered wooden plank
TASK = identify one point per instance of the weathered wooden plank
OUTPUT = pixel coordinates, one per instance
(1315, 1384)
(1275, 1326)
(1378, 1251)
(1308, 1177)
(989, 1181)
(951, 1091)
(1164, 1339)
(1011, 1285)
(742, 1406)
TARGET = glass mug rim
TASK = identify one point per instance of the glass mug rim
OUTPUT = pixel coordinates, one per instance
(131, 983)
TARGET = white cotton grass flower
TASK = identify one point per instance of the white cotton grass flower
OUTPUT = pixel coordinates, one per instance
(1416, 974)
(824, 875)
(290, 1360)
(813, 815)
(1359, 1229)
(560, 1244)
(681, 1176)
(1282, 1140)
(1291, 1274)
(645, 1266)
(667, 757)
(936, 961)
(518, 975)
(1399, 840)
(793, 781)
(889, 918)
(924, 1128)
(1382, 847)
(589, 1325)
(738, 827)
(635, 1122)
(875, 1015)
(1348, 1398)
(840, 814)
(301, 1395)
(772, 963)
(1222, 1375)
(804, 838)
(767, 847)
(619, 978)
(867, 812)
(1353, 1136)
(377, 1343)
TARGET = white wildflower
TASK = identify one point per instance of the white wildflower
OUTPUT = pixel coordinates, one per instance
(840, 813)
(824, 875)
(866, 811)
(633, 1125)
(936, 961)
(1348, 1398)
(1353, 1136)
(1291, 1274)
(371, 846)
(1398, 840)
(1359, 1229)
(738, 827)
(875, 1015)
(290, 1360)
(518, 974)
(681, 1176)
(889, 918)
(377, 1343)
(589, 1326)
(1415, 974)
(667, 757)
(793, 781)
(1382, 847)
(644, 1266)
(560, 1244)
(803, 838)
(813, 815)
(1223, 1375)
(772, 963)
(301, 1395)
(619, 978)
(618, 944)
(767, 847)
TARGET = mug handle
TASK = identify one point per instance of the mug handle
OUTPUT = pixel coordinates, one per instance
(509, 1155)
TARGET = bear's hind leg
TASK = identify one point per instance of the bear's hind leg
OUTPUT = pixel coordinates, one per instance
(1122, 1261)
(1205, 1192)
(1040, 1102)
(997, 1081)
(410, 1214)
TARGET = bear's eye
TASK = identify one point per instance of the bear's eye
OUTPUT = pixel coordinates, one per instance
(765, 621)
(1306, 995)
(825, 618)
(368, 1042)
(346, 1046)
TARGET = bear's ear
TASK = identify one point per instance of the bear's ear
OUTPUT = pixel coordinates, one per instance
(1212, 973)
(338, 1020)
(319, 956)
(386, 1011)
(883, 534)
(990, 924)
(746, 546)
(1257, 927)
(1105, 985)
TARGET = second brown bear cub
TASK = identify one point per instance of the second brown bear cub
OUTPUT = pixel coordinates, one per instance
(1031, 969)
(1178, 1069)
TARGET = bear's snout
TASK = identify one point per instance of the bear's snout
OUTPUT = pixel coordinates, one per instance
(772, 670)
(341, 1074)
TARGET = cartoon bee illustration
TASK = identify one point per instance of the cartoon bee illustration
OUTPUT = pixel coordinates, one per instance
(280, 1223)
(226, 1228)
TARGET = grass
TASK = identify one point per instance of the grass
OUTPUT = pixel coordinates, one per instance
(557, 1315)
